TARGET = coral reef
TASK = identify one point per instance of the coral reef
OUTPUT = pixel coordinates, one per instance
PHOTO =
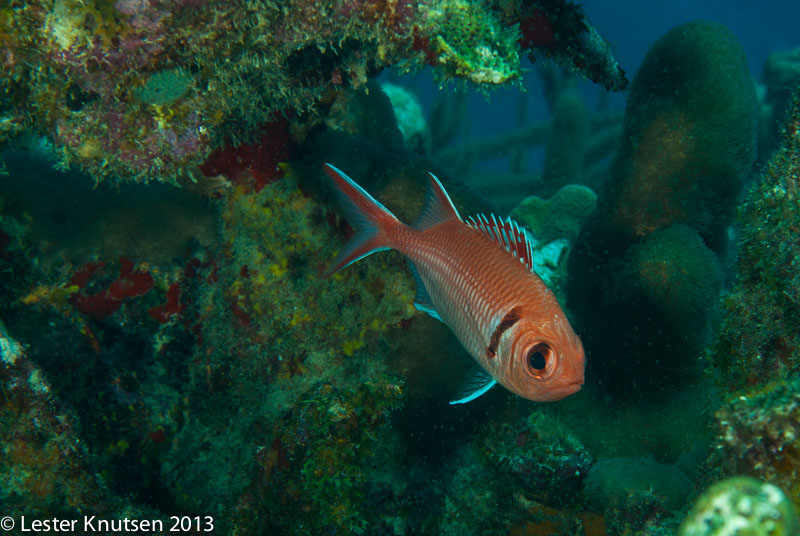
(759, 338)
(299, 352)
(687, 146)
(535, 486)
(547, 462)
(45, 468)
(186, 354)
(758, 435)
(741, 505)
(578, 144)
(146, 90)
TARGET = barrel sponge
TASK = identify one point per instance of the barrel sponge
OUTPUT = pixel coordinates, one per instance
(689, 137)
(672, 271)
(561, 216)
(741, 505)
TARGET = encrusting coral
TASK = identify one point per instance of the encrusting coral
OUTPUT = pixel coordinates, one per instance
(145, 90)
(759, 339)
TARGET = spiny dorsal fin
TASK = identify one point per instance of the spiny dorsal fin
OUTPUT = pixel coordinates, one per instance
(438, 206)
(506, 233)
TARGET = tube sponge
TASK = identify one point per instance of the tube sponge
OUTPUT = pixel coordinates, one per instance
(671, 274)
(642, 274)
(689, 137)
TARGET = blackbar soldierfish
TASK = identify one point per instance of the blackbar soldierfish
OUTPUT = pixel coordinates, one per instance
(477, 278)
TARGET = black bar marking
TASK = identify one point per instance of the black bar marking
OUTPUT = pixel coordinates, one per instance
(509, 320)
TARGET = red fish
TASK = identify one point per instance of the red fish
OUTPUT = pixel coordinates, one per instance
(477, 278)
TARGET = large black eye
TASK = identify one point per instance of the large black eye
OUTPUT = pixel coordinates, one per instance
(537, 357)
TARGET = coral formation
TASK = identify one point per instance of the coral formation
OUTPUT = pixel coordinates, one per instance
(674, 274)
(44, 465)
(145, 91)
(547, 462)
(687, 146)
(758, 435)
(741, 505)
(759, 338)
(410, 118)
(561, 216)
(690, 127)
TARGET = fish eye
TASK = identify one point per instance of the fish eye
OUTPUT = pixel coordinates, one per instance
(537, 358)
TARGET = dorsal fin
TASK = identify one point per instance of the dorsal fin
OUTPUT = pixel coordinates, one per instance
(506, 233)
(438, 206)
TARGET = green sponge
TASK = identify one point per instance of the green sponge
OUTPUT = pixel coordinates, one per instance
(561, 216)
(673, 272)
(690, 135)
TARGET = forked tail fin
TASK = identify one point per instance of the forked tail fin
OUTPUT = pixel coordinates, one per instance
(372, 221)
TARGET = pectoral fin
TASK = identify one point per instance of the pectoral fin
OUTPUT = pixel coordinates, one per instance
(422, 301)
(475, 384)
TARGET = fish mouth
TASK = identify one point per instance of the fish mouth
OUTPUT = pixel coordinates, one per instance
(564, 391)
(572, 388)
(575, 387)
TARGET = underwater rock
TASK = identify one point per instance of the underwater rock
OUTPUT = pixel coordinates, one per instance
(687, 146)
(741, 505)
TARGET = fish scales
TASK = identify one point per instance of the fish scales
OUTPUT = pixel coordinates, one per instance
(471, 279)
